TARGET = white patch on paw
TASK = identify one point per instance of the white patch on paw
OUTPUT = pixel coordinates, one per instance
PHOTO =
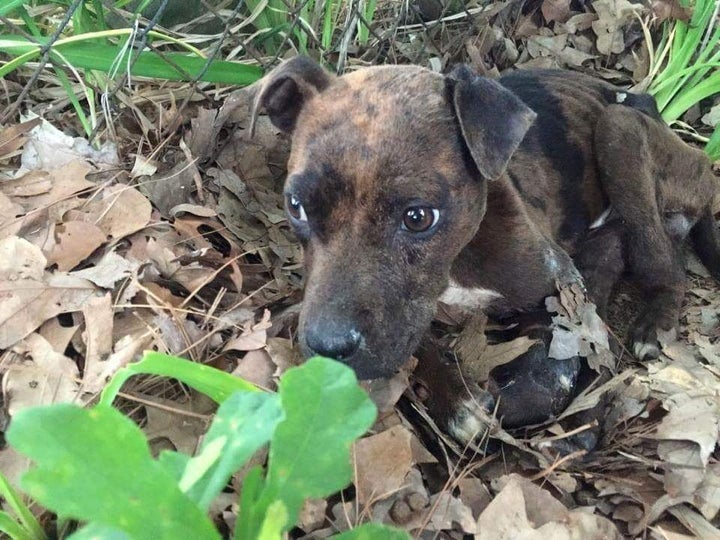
(566, 382)
(599, 222)
(468, 297)
(620, 97)
(645, 350)
(468, 424)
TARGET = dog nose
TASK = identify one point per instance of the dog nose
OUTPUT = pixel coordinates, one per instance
(335, 339)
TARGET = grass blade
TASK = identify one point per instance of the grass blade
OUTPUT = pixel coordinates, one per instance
(100, 56)
(12, 528)
(20, 509)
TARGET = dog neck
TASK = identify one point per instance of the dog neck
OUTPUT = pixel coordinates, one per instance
(509, 257)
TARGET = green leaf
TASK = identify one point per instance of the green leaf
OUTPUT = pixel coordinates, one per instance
(101, 56)
(275, 522)
(174, 463)
(712, 148)
(10, 5)
(372, 531)
(251, 490)
(215, 384)
(310, 451)
(24, 515)
(95, 465)
(13, 529)
(243, 423)
(99, 532)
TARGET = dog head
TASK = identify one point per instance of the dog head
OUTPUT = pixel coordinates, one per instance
(387, 182)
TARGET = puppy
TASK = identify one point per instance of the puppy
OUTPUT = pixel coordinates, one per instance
(407, 187)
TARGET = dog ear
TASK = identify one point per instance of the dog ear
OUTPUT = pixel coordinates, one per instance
(493, 120)
(284, 90)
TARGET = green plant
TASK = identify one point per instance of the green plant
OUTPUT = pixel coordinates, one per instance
(94, 465)
(684, 66)
(21, 523)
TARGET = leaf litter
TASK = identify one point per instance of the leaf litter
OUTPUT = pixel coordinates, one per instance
(187, 251)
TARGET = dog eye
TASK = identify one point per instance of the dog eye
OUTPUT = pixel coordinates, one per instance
(419, 219)
(295, 209)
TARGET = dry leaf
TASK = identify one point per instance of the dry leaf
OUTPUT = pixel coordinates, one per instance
(381, 463)
(182, 431)
(108, 270)
(312, 515)
(257, 367)
(49, 148)
(613, 16)
(557, 47)
(9, 213)
(449, 512)
(556, 10)
(13, 138)
(171, 188)
(252, 338)
(46, 377)
(98, 314)
(670, 9)
(523, 511)
(74, 242)
(127, 349)
(696, 420)
(28, 297)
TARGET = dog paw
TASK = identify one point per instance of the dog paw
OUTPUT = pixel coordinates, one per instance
(646, 348)
(472, 417)
(647, 335)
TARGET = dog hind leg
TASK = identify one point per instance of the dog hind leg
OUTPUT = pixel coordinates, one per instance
(626, 165)
(706, 241)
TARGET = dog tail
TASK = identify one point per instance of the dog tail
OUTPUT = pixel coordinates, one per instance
(706, 241)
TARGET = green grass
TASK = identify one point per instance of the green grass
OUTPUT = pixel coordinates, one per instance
(98, 55)
(685, 66)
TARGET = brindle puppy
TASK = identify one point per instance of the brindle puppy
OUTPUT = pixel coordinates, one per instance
(407, 187)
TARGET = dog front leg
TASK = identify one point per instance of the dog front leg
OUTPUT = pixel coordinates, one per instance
(458, 405)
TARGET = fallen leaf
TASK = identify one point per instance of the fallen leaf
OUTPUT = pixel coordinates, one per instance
(46, 377)
(448, 512)
(613, 16)
(670, 9)
(167, 421)
(257, 367)
(557, 47)
(108, 270)
(381, 463)
(254, 337)
(74, 242)
(28, 297)
(13, 138)
(98, 315)
(127, 349)
(143, 167)
(474, 494)
(312, 515)
(9, 213)
(29, 184)
(171, 188)
(524, 511)
(555, 10)
(49, 148)
(696, 420)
